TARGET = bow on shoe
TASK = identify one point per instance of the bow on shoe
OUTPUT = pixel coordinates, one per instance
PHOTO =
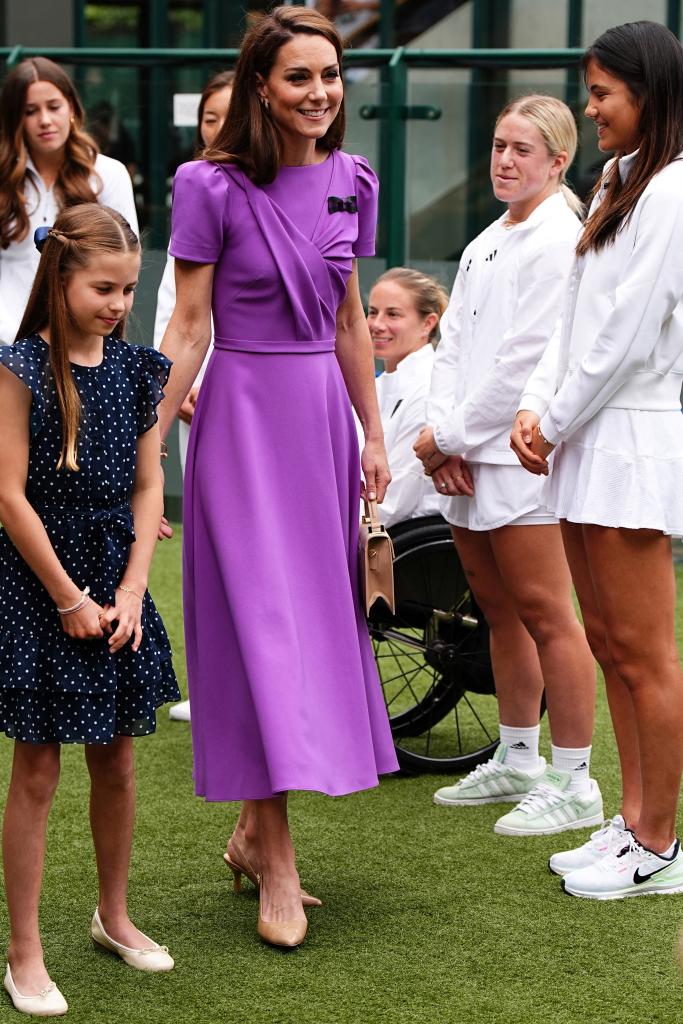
(337, 205)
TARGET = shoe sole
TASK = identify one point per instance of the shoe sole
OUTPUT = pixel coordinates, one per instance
(506, 830)
(623, 894)
(508, 798)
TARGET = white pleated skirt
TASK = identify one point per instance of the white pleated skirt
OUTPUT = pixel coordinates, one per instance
(504, 495)
(624, 468)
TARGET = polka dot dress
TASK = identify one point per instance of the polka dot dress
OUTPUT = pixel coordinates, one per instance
(54, 688)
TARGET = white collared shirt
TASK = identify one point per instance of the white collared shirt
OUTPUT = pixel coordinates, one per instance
(621, 343)
(506, 301)
(19, 262)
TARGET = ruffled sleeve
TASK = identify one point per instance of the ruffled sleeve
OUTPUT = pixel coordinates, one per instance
(154, 370)
(367, 189)
(29, 362)
(200, 213)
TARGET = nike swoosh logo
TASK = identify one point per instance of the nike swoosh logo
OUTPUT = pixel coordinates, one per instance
(638, 878)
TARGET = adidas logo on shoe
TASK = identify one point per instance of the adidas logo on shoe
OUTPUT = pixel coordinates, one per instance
(521, 746)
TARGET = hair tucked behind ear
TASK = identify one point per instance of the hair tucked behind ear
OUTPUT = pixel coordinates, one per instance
(427, 294)
(74, 179)
(79, 234)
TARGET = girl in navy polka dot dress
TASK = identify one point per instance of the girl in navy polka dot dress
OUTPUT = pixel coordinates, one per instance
(84, 657)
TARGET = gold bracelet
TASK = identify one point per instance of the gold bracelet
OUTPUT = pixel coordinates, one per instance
(128, 590)
(163, 454)
(543, 439)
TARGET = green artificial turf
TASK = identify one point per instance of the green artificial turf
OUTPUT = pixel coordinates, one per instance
(428, 918)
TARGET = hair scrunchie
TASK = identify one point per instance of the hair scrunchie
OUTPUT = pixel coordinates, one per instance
(40, 236)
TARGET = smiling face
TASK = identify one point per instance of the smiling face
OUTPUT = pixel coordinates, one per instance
(100, 294)
(396, 326)
(47, 119)
(215, 109)
(523, 173)
(614, 109)
(303, 92)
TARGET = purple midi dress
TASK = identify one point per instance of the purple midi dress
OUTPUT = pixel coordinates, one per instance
(282, 680)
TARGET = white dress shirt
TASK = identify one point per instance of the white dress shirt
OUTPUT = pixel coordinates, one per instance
(19, 262)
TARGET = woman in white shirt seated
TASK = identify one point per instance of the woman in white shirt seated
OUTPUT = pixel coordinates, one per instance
(506, 301)
(47, 162)
(404, 310)
(608, 399)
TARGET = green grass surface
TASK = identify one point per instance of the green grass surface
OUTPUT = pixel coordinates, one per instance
(428, 916)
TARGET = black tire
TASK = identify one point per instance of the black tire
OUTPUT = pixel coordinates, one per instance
(433, 656)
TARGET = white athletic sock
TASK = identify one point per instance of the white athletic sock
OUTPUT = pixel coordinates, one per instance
(522, 746)
(576, 760)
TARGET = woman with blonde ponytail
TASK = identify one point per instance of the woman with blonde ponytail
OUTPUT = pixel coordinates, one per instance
(84, 657)
(48, 162)
(506, 301)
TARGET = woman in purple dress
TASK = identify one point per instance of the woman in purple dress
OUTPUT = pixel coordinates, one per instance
(266, 228)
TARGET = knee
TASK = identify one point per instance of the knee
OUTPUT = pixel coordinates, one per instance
(543, 618)
(113, 766)
(37, 772)
(639, 664)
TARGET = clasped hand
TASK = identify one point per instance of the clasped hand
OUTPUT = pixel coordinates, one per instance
(92, 621)
(526, 442)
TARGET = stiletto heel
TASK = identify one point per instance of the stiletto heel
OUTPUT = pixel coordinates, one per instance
(238, 863)
(286, 934)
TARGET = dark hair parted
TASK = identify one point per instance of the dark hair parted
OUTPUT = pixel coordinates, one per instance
(79, 234)
(249, 136)
(221, 80)
(648, 59)
(74, 179)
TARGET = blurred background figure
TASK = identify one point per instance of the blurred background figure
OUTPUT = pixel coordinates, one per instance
(213, 107)
(404, 310)
(47, 162)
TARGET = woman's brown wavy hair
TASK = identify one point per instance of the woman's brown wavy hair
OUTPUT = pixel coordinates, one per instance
(648, 58)
(79, 234)
(249, 136)
(73, 184)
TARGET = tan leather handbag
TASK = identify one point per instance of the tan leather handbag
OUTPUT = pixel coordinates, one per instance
(376, 552)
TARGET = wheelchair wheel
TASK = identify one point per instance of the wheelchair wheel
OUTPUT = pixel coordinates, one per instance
(433, 656)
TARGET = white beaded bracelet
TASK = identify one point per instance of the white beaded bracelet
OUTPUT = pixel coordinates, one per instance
(79, 604)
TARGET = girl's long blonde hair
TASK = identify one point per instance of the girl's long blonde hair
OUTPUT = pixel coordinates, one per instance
(79, 233)
(557, 126)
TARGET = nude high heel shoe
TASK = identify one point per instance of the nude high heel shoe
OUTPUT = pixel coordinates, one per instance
(286, 934)
(237, 861)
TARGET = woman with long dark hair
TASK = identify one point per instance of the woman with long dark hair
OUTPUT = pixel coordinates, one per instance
(266, 229)
(47, 163)
(608, 401)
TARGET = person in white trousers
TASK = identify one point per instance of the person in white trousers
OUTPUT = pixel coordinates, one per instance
(47, 161)
(404, 310)
(213, 106)
(505, 303)
(606, 400)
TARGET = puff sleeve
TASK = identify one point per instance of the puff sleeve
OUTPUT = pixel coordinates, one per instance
(367, 190)
(32, 369)
(200, 212)
(153, 371)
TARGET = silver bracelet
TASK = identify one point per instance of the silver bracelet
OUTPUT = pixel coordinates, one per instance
(79, 604)
(544, 439)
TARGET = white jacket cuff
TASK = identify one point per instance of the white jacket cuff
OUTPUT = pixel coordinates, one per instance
(449, 435)
(549, 430)
(533, 403)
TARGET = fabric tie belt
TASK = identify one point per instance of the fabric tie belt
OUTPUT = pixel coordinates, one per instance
(116, 519)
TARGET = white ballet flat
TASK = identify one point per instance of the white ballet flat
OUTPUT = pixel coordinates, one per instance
(152, 958)
(48, 1003)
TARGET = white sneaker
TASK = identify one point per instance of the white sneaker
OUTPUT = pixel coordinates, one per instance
(612, 836)
(631, 871)
(550, 807)
(180, 712)
(493, 782)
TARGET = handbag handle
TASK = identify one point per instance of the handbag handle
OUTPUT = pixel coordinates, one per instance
(372, 514)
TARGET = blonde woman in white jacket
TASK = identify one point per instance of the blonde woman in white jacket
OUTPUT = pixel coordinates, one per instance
(607, 396)
(506, 300)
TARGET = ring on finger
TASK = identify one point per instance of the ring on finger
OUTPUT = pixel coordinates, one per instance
(444, 487)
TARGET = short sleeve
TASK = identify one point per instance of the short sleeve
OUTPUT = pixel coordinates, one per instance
(200, 212)
(154, 370)
(32, 369)
(367, 190)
